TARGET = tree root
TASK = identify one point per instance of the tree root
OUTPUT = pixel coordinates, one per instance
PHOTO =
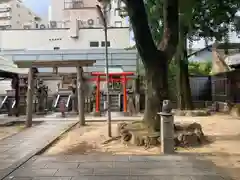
(112, 139)
(185, 135)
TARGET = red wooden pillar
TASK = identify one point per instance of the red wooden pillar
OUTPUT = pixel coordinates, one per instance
(98, 93)
(124, 83)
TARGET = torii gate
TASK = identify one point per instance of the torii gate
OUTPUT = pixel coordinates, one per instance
(79, 64)
(123, 79)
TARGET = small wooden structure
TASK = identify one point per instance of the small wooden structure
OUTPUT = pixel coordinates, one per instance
(10, 71)
(226, 86)
(79, 64)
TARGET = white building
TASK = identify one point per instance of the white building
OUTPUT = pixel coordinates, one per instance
(65, 11)
(14, 15)
(63, 38)
(74, 24)
(69, 35)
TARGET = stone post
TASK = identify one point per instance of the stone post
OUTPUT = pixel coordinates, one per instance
(105, 107)
(63, 108)
(167, 128)
(137, 103)
(81, 98)
(30, 98)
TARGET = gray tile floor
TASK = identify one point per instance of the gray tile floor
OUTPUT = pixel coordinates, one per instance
(16, 147)
(97, 167)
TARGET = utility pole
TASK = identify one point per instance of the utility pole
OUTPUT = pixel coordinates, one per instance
(103, 17)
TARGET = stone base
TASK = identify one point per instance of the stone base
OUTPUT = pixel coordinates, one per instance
(41, 113)
(191, 113)
(96, 114)
(185, 135)
(126, 114)
(136, 134)
(72, 113)
(118, 114)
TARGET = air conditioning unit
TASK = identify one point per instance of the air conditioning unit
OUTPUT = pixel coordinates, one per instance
(42, 26)
(90, 22)
(27, 26)
(74, 28)
(77, 4)
(53, 24)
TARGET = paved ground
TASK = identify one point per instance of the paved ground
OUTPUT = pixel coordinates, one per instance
(57, 116)
(93, 167)
(16, 148)
(101, 167)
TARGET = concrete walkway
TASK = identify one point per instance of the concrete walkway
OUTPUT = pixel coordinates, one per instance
(121, 167)
(57, 117)
(18, 148)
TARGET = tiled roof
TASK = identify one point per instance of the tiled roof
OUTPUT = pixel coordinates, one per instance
(233, 59)
(7, 65)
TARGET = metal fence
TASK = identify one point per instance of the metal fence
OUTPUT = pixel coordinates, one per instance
(226, 87)
(201, 89)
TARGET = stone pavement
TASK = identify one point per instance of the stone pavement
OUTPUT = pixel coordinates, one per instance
(57, 117)
(119, 167)
(20, 147)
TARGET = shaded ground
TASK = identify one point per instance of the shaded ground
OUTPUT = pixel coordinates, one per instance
(16, 149)
(6, 131)
(117, 167)
(223, 131)
(9, 127)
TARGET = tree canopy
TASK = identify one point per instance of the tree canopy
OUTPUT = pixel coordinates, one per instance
(155, 24)
(202, 18)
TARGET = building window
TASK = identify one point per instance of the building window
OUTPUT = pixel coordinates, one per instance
(18, 6)
(103, 43)
(18, 22)
(116, 12)
(94, 44)
(56, 48)
(7, 27)
(118, 24)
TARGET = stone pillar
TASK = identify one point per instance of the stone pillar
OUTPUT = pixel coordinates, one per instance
(137, 103)
(73, 103)
(74, 96)
(29, 98)
(17, 96)
(119, 102)
(81, 98)
(167, 128)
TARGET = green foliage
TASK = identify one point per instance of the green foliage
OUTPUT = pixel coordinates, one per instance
(199, 68)
(155, 17)
(201, 18)
(195, 69)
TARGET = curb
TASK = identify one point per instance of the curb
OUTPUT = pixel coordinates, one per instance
(6, 172)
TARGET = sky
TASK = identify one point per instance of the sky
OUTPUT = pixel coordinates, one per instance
(39, 8)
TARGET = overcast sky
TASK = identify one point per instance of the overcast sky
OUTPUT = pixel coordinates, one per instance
(41, 8)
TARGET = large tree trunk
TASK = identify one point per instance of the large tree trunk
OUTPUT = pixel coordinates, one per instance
(156, 92)
(184, 98)
(185, 79)
(155, 61)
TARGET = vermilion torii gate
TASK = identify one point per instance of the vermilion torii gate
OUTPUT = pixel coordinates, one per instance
(122, 77)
